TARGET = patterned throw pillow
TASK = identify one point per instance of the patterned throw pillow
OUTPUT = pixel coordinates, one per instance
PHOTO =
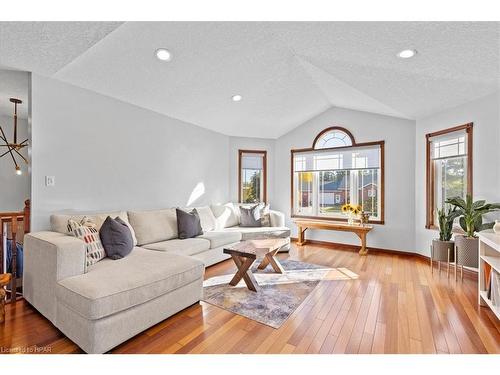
(87, 232)
(265, 216)
(85, 221)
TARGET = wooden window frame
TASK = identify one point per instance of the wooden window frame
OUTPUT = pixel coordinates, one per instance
(262, 152)
(332, 128)
(429, 169)
(381, 144)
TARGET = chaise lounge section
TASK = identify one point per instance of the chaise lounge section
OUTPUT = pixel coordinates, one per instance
(103, 305)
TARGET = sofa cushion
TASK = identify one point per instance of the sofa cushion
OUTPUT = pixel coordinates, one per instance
(212, 256)
(225, 215)
(221, 238)
(188, 246)
(59, 222)
(153, 226)
(112, 286)
(253, 233)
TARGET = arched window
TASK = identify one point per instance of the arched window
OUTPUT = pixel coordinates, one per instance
(333, 137)
(337, 171)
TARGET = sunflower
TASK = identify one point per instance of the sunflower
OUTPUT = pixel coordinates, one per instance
(345, 208)
(356, 211)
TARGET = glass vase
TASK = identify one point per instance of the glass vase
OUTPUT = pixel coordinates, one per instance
(350, 219)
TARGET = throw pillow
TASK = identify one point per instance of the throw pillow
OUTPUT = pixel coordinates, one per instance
(250, 217)
(85, 221)
(188, 224)
(116, 238)
(90, 235)
(225, 215)
(265, 216)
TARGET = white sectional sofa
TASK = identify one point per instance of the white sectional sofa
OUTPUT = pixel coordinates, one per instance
(111, 301)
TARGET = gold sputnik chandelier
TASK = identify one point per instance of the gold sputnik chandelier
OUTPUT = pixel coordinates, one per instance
(13, 148)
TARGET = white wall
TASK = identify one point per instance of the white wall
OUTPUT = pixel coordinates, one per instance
(242, 143)
(106, 154)
(398, 232)
(14, 189)
(485, 114)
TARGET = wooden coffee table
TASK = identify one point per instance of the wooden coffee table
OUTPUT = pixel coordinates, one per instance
(246, 252)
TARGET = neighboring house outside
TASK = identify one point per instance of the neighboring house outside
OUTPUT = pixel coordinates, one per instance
(336, 193)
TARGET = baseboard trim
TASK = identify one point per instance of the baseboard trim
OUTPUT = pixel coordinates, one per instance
(347, 247)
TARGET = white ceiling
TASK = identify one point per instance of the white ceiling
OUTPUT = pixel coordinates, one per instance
(287, 72)
(45, 47)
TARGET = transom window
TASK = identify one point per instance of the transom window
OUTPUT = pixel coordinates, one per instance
(336, 171)
(449, 172)
(333, 137)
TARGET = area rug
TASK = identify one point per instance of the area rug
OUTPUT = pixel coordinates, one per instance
(279, 295)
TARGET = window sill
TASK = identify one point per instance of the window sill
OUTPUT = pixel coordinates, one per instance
(341, 219)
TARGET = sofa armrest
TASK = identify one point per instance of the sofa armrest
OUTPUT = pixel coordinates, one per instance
(48, 258)
(277, 218)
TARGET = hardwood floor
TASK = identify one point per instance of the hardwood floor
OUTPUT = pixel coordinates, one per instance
(395, 306)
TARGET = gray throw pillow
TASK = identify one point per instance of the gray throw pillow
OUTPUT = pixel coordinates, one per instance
(250, 217)
(188, 224)
(116, 238)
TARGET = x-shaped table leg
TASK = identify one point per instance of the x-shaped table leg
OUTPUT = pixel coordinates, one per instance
(244, 273)
(269, 258)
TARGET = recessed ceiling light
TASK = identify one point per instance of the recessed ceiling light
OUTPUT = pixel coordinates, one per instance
(163, 54)
(407, 53)
(237, 98)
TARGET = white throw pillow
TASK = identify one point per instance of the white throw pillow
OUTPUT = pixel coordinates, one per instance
(225, 215)
(207, 218)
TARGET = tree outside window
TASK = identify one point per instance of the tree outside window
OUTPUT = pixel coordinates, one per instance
(252, 176)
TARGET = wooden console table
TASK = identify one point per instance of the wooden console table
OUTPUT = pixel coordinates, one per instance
(360, 230)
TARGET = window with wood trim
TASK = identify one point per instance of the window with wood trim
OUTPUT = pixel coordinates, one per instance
(252, 178)
(448, 168)
(336, 171)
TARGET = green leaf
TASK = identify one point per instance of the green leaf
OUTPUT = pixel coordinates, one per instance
(478, 222)
(461, 221)
(478, 204)
(457, 201)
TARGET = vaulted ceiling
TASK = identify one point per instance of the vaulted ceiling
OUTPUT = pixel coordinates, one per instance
(287, 72)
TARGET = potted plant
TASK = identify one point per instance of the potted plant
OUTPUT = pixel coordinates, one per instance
(443, 247)
(470, 216)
